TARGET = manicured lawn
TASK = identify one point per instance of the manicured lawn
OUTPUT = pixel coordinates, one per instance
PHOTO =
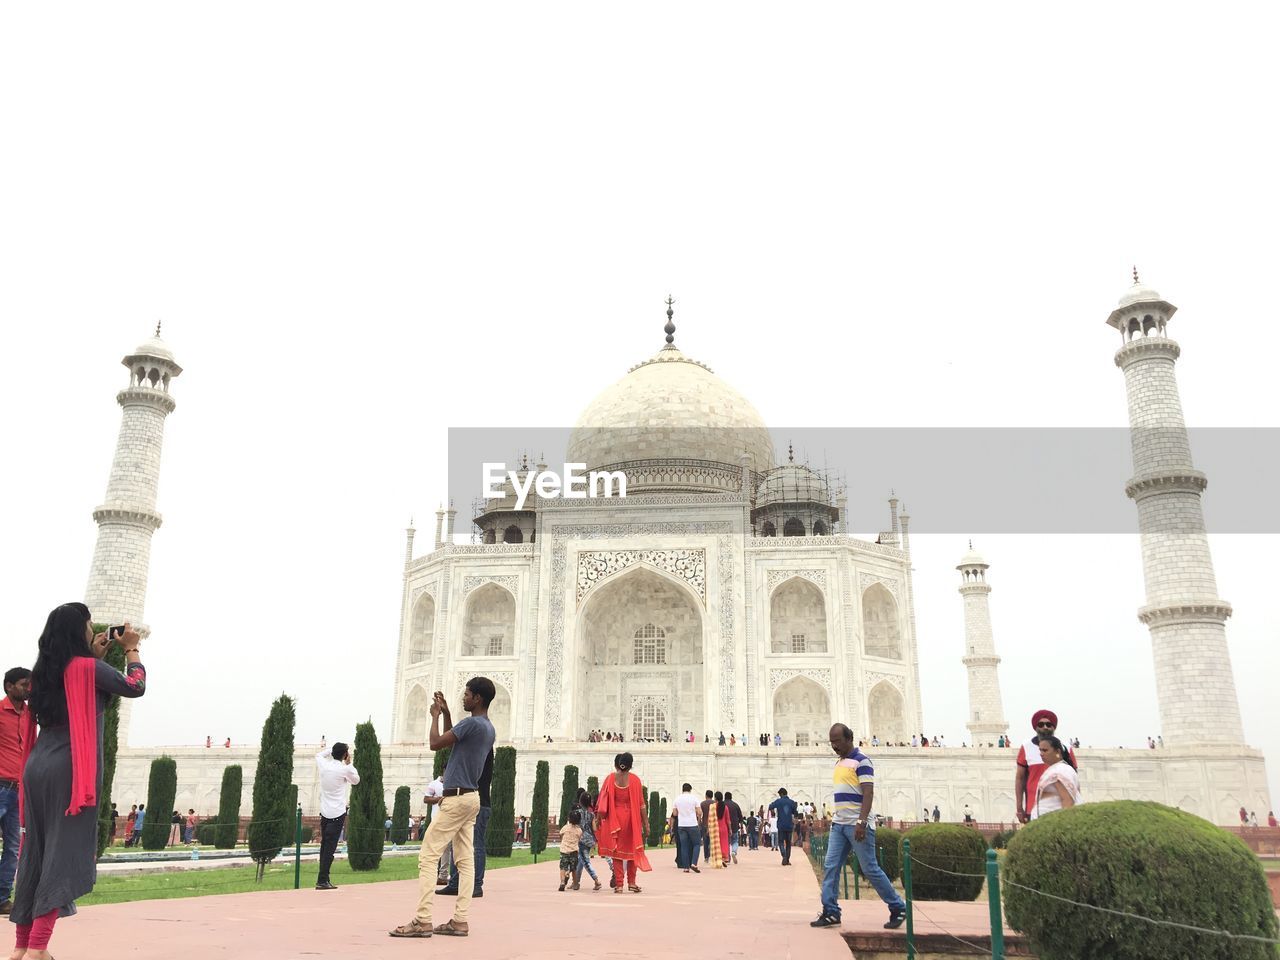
(279, 876)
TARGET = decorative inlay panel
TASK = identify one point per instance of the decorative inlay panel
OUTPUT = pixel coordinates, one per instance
(776, 577)
(820, 675)
(893, 678)
(510, 581)
(595, 566)
(728, 601)
(429, 589)
(867, 579)
(503, 678)
(558, 536)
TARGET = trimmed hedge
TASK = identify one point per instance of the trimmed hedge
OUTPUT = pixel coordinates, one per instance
(889, 850)
(538, 816)
(367, 820)
(289, 824)
(502, 795)
(207, 832)
(947, 847)
(568, 792)
(400, 816)
(162, 786)
(655, 823)
(228, 818)
(1143, 858)
(439, 761)
(593, 787)
(110, 740)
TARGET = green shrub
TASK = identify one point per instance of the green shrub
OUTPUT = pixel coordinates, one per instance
(889, 850)
(662, 820)
(655, 824)
(289, 823)
(271, 782)
(207, 832)
(367, 821)
(541, 801)
(502, 818)
(939, 847)
(593, 786)
(162, 787)
(400, 816)
(308, 833)
(1000, 840)
(438, 762)
(228, 818)
(1143, 858)
(568, 792)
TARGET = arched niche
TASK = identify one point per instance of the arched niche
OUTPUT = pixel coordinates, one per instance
(881, 635)
(422, 629)
(416, 708)
(886, 713)
(801, 712)
(489, 626)
(797, 618)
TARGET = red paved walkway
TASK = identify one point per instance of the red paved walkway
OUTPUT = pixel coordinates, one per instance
(758, 909)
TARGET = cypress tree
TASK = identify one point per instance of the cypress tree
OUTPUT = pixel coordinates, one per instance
(271, 783)
(400, 816)
(162, 787)
(439, 761)
(662, 820)
(502, 819)
(538, 816)
(568, 790)
(593, 786)
(289, 826)
(228, 831)
(367, 821)
(655, 825)
(110, 741)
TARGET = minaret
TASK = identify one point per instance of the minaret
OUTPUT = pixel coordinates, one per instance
(1194, 684)
(408, 544)
(117, 589)
(986, 709)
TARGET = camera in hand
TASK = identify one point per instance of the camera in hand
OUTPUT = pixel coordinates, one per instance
(115, 633)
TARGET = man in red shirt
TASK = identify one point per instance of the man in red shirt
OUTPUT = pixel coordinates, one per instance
(1030, 764)
(17, 687)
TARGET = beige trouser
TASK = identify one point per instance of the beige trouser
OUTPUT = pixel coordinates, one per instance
(454, 822)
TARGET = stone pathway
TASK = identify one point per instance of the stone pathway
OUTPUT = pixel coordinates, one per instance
(757, 909)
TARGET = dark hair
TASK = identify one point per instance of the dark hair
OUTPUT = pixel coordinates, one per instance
(710, 794)
(63, 640)
(686, 787)
(845, 730)
(583, 798)
(782, 791)
(575, 816)
(728, 796)
(14, 674)
(1062, 751)
(623, 761)
(719, 804)
(339, 751)
(483, 688)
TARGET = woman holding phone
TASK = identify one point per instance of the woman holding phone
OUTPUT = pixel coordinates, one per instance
(70, 688)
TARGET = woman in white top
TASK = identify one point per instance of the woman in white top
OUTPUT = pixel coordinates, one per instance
(1059, 786)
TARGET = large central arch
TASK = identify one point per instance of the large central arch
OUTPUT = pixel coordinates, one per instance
(640, 653)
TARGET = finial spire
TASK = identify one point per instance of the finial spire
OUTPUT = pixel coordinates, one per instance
(157, 329)
(971, 543)
(791, 454)
(1135, 274)
(670, 328)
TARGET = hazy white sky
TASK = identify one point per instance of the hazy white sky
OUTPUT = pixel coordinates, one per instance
(362, 225)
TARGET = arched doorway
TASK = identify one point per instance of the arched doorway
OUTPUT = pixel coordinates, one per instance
(639, 646)
(416, 705)
(880, 634)
(885, 713)
(490, 623)
(801, 712)
(422, 629)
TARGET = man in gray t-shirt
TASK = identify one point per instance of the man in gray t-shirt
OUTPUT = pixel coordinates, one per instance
(455, 815)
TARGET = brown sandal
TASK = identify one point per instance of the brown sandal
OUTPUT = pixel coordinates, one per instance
(633, 888)
(447, 929)
(412, 929)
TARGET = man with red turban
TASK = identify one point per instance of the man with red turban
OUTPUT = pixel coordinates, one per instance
(1030, 763)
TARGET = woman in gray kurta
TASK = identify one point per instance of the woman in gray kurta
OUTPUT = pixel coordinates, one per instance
(59, 853)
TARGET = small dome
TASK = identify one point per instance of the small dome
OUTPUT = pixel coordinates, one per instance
(972, 559)
(154, 347)
(792, 483)
(1139, 293)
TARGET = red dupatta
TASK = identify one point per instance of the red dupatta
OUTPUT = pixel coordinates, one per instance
(82, 720)
(610, 827)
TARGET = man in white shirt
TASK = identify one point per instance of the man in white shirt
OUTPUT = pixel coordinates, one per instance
(337, 774)
(688, 815)
(434, 794)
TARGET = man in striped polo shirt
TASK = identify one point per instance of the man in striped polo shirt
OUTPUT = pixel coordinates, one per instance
(852, 829)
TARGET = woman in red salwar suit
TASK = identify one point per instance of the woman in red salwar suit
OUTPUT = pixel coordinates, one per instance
(623, 822)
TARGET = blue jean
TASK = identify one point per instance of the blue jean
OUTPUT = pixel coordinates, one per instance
(753, 839)
(840, 843)
(12, 836)
(687, 847)
(783, 842)
(478, 855)
(584, 863)
(733, 843)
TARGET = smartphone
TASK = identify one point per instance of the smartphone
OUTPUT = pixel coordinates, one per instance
(115, 633)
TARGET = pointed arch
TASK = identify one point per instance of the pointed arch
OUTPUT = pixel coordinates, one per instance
(422, 629)
(797, 618)
(416, 706)
(886, 713)
(881, 634)
(801, 712)
(489, 624)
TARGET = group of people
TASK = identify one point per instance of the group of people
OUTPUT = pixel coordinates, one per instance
(1250, 819)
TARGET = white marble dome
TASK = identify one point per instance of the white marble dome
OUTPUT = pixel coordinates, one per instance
(670, 407)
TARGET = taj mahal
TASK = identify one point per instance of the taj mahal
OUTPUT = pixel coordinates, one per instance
(726, 594)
